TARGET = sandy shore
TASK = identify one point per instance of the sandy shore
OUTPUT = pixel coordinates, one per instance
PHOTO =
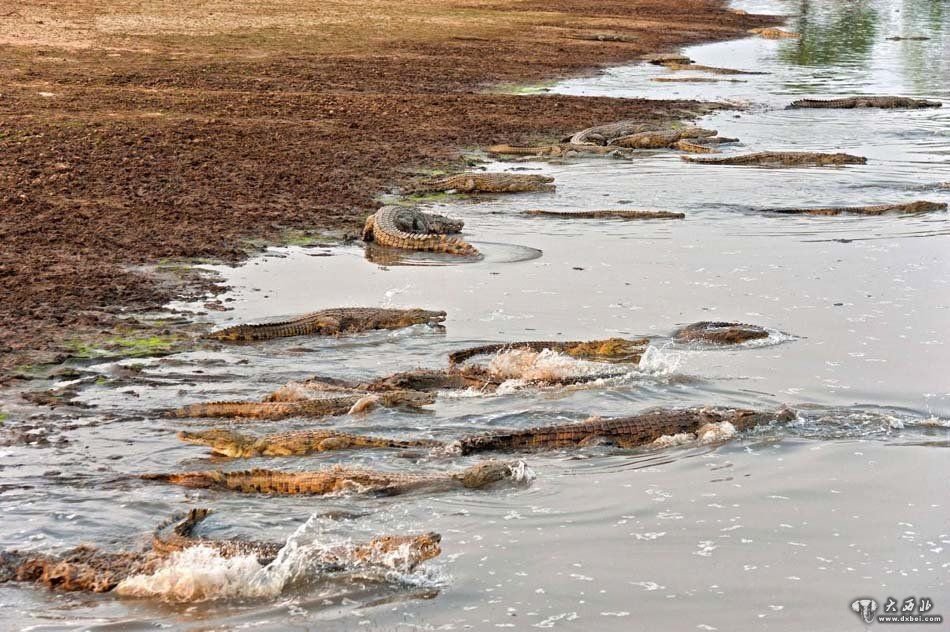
(133, 132)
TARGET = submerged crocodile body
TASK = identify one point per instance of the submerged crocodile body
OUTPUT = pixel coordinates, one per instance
(344, 480)
(606, 214)
(659, 139)
(88, 568)
(331, 322)
(769, 32)
(720, 333)
(624, 432)
(488, 182)
(920, 206)
(609, 350)
(713, 70)
(339, 403)
(411, 229)
(237, 445)
(865, 102)
(783, 159)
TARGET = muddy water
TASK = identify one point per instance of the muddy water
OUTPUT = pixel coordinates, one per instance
(782, 527)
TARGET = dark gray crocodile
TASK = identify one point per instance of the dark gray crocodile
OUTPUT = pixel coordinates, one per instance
(412, 229)
(865, 102)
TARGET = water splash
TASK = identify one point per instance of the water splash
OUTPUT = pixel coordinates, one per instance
(660, 361)
(545, 366)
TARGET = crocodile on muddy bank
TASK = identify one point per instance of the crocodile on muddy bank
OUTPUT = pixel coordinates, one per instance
(920, 206)
(237, 445)
(341, 479)
(323, 405)
(88, 568)
(769, 32)
(560, 150)
(624, 432)
(331, 322)
(720, 333)
(607, 350)
(412, 229)
(865, 102)
(783, 159)
(606, 214)
(487, 182)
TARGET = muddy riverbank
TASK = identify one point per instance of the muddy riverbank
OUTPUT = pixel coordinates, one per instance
(133, 134)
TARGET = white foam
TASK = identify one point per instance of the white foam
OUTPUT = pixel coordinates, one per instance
(660, 361)
(716, 432)
(544, 366)
(669, 441)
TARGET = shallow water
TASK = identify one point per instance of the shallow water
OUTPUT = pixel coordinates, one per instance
(781, 527)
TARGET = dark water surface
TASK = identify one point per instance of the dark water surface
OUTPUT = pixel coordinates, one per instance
(781, 528)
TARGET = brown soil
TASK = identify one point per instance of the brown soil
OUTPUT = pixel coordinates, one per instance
(137, 130)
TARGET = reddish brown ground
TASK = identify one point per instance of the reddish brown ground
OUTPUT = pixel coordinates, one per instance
(136, 130)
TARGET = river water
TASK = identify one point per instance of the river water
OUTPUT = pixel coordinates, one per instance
(781, 528)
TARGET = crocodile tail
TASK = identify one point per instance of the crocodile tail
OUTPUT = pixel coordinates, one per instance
(180, 524)
(187, 479)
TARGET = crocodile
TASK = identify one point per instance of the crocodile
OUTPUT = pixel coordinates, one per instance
(606, 214)
(769, 32)
(487, 182)
(624, 432)
(331, 322)
(719, 332)
(560, 150)
(659, 139)
(341, 479)
(662, 59)
(88, 568)
(411, 229)
(865, 102)
(782, 159)
(920, 206)
(602, 134)
(713, 70)
(609, 350)
(330, 404)
(912, 38)
(695, 80)
(692, 147)
(236, 445)
(606, 37)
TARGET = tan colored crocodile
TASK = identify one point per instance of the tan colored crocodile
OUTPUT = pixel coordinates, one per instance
(783, 159)
(659, 139)
(488, 182)
(719, 332)
(88, 568)
(331, 322)
(696, 80)
(693, 147)
(865, 102)
(769, 32)
(237, 445)
(411, 229)
(606, 214)
(662, 59)
(606, 37)
(341, 479)
(328, 404)
(624, 432)
(560, 150)
(920, 206)
(608, 350)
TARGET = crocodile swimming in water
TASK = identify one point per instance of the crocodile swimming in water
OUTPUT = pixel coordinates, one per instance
(920, 206)
(487, 182)
(865, 102)
(299, 443)
(341, 479)
(331, 322)
(720, 332)
(769, 32)
(411, 229)
(606, 214)
(624, 432)
(88, 568)
(327, 404)
(783, 159)
(608, 350)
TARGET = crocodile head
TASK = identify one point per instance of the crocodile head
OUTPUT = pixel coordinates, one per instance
(613, 349)
(223, 442)
(744, 419)
(488, 472)
(421, 317)
(402, 552)
(407, 398)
